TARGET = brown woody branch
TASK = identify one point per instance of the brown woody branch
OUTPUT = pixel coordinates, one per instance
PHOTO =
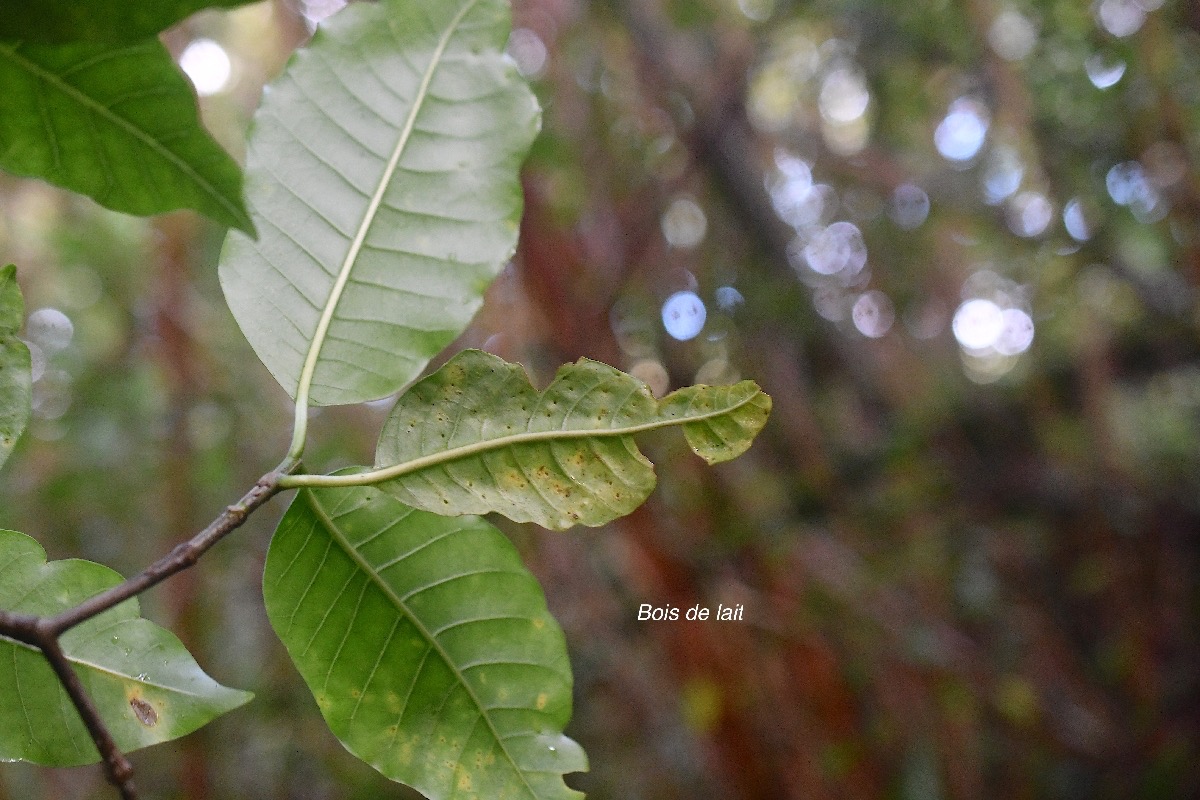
(44, 632)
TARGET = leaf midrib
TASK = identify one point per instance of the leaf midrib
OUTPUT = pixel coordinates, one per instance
(399, 604)
(304, 385)
(475, 448)
(107, 671)
(104, 111)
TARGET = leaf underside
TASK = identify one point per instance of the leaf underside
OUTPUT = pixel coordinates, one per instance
(15, 377)
(478, 437)
(117, 123)
(382, 177)
(427, 645)
(145, 684)
(61, 21)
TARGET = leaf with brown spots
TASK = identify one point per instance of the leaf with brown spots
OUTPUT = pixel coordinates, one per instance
(476, 437)
(144, 712)
(147, 687)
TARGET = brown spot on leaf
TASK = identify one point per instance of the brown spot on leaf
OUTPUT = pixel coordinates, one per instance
(144, 712)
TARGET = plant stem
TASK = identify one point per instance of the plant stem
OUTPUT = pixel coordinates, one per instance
(180, 558)
(116, 765)
(44, 632)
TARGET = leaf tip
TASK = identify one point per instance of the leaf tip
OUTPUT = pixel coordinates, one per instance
(728, 434)
(246, 226)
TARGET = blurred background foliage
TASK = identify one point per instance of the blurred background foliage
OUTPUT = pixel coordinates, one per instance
(959, 244)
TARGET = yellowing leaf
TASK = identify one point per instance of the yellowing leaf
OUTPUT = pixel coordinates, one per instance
(475, 437)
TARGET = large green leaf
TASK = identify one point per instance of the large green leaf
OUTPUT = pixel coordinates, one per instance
(427, 645)
(15, 377)
(117, 123)
(475, 437)
(145, 684)
(59, 21)
(382, 176)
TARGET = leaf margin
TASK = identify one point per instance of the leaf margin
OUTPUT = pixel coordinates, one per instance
(212, 180)
(60, 584)
(676, 409)
(306, 508)
(297, 369)
(16, 384)
(63, 21)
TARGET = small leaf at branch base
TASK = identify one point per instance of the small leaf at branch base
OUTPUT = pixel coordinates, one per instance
(427, 645)
(475, 437)
(15, 377)
(117, 123)
(146, 686)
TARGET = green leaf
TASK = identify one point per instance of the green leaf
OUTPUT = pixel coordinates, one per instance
(15, 378)
(475, 436)
(426, 643)
(117, 123)
(112, 21)
(382, 176)
(145, 684)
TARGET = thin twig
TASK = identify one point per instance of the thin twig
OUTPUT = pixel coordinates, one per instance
(44, 632)
(183, 556)
(116, 765)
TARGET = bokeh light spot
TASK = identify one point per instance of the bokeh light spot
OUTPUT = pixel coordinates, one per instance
(37, 361)
(1003, 174)
(910, 206)
(978, 324)
(1125, 181)
(873, 314)
(652, 373)
(960, 135)
(683, 315)
(528, 51)
(1121, 18)
(50, 329)
(838, 249)
(844, 95)
(1030, 214)
(1016, 334)
(1104, 72)
(1012, 35)
(1077, 220)
(1129, 185)
(684, 223)
(729, 298)
(207, 65)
